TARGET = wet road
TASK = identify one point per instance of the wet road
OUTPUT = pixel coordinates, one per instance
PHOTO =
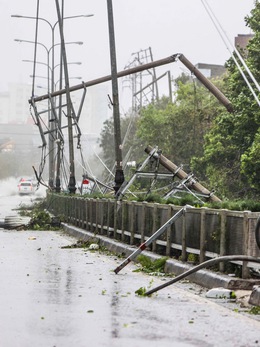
(53, 296)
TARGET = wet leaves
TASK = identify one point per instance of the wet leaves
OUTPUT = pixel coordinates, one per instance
(255, 310)
(154, 267)
(141, 291)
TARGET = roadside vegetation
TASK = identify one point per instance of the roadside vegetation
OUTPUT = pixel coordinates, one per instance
(222, 149)
(40, 218)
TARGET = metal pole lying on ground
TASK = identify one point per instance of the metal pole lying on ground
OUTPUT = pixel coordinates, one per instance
(144, 245)
(206, 264)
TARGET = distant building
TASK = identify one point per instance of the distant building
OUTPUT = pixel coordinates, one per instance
(19, 137)
(4, 107)
(14, 106)
(95, 109)
(15, 112)
(242, 40)
(211, 70)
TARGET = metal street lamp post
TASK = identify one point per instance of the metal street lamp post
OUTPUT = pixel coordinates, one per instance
(51, 139)
(119, 174)
(52, 27)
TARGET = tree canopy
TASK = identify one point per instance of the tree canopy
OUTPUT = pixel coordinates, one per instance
(232, 150)
(222, 148)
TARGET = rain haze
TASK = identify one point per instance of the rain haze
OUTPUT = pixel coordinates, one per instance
(166, 27)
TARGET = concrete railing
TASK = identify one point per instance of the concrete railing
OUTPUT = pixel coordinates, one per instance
(200, 233)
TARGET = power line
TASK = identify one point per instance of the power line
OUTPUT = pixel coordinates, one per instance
(228, 44)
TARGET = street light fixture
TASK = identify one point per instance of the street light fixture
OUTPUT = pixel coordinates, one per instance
(45, 20)
(51, 142)
(48, 56)
(52, 26)
(39, 62)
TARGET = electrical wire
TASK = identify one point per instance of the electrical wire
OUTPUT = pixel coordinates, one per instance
(227, 42)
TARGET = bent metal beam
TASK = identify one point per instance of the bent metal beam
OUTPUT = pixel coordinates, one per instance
(209, 85)
(181, 174)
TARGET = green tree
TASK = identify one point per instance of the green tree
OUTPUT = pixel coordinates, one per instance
(131, 148)
(231, 151)
(178, 128)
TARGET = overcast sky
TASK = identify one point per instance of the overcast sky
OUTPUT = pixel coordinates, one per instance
(167, 26)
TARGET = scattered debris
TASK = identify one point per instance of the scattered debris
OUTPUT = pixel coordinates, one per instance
(83, 244)
(141, 291)
(15, 222)
(221, 293)
(255, 296)
(153, 267)
(93, 246)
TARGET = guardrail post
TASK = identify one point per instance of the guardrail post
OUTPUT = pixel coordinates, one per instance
(131, 224)
(108, 216)
(223, 243)
(155, 217)
(202, 235)
(97, 215)
(101, 211)
(245, 269)
(183, 241)
(116, 206)
(143, 214)
(123, 211)
(169, 233)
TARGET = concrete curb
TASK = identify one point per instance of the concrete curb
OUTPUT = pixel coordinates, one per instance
(255, 296)
(205, 278)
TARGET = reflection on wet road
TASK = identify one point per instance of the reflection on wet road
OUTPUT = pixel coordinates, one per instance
(54, 296)
(63, 297)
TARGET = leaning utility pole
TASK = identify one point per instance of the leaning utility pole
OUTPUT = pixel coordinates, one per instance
(72, 179)
(60, 139)
(119, 174)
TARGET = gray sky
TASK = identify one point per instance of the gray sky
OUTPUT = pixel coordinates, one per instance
(167, 26)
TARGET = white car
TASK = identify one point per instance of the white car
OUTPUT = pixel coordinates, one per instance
(25, 188)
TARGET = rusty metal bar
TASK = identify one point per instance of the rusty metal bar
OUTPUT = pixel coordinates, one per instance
(213, 89)
(209, 85)
(181, 174)
(123, 73)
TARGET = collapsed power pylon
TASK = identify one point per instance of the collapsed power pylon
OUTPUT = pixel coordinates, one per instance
(55, 125)
(152, 65)
(144, 84)
(186, 181)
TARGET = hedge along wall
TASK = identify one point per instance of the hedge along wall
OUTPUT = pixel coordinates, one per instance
(203, 232)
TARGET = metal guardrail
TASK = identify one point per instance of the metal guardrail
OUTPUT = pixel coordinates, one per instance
(202, 232)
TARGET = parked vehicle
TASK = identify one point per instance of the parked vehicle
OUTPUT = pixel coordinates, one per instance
(25, 188)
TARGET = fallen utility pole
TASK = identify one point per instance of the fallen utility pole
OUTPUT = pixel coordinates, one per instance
(155, 236)
(173, 58)
(206, 264)
(181, 174)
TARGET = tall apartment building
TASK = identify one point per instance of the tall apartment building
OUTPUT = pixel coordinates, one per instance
(14, 106)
